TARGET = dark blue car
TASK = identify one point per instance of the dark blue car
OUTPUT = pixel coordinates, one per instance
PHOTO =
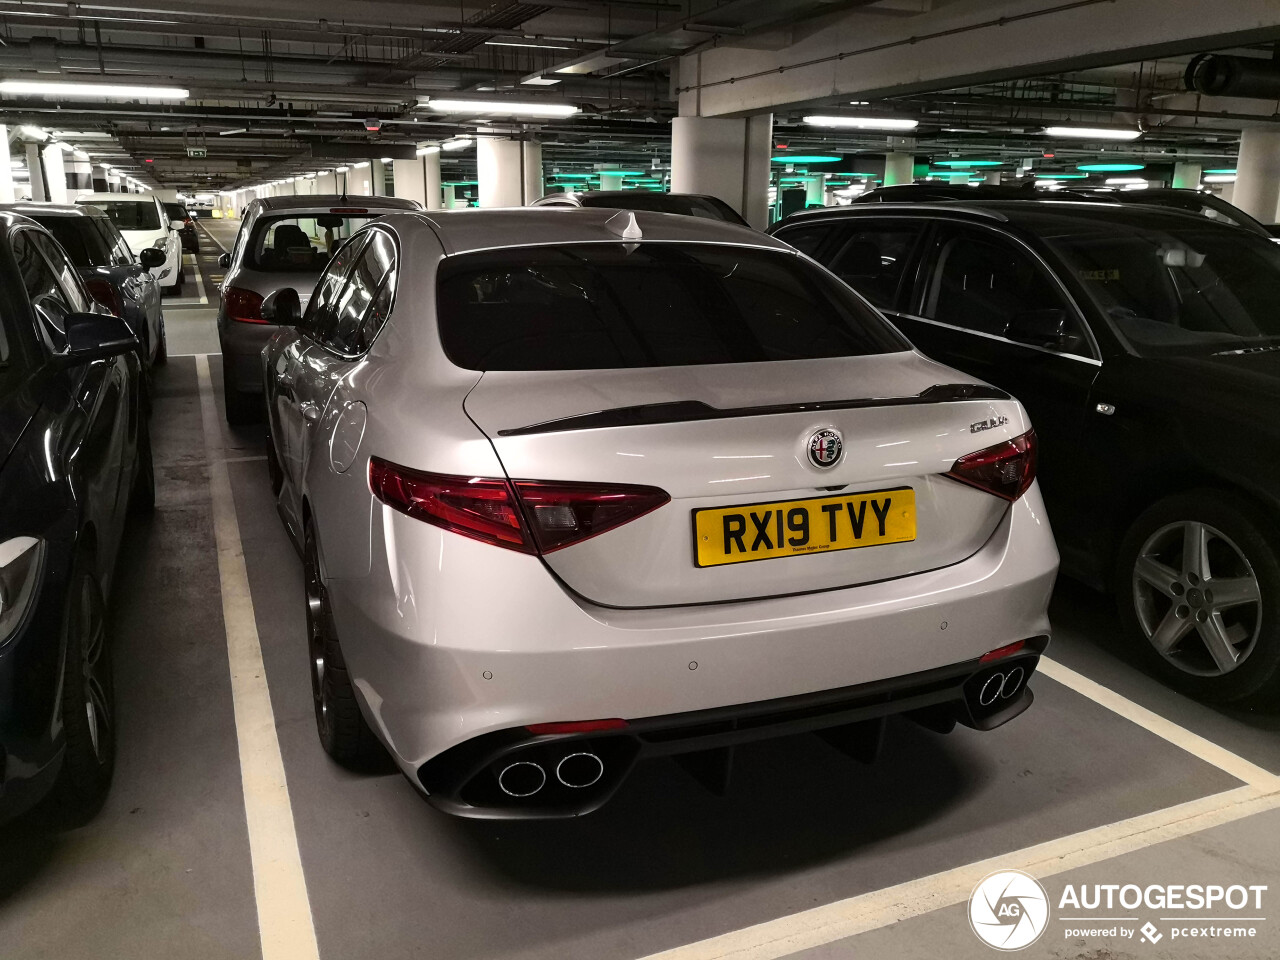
(74, 457)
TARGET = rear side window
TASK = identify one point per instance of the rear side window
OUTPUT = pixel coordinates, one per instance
(47, 297)
(77, 236)
(135, 215)
(872, 256)
(602, 306)
(363, 303)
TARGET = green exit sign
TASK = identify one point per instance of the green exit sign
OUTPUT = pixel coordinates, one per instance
(199, 153)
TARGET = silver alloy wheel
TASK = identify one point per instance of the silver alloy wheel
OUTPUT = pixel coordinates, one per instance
(94, 664)
(1197, 598)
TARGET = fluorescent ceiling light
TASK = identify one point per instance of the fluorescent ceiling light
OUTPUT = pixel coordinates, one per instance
(384, 159)
(34, 132)
(92, 91)
(457, 143)
(341, 169)
(1123, 181)
(428, 150)
(81, 135)
(540, 81)
(863, 123)
(1093, 133)
(500, 108)
(536, 46)
(361, 165)
(1220, 178)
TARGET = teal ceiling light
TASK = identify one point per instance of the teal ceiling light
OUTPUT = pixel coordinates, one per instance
(964, 164)
(806, 158)
(1222, 172)
(1110, 167)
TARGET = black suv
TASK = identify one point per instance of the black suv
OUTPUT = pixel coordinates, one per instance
(1145, 343)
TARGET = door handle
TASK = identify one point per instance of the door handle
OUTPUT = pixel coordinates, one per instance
(310, 411)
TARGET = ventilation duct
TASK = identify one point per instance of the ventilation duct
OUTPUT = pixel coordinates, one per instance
(1220, 75)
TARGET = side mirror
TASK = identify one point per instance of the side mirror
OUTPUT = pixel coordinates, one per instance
(176, 224)
(1042, 328)
(282, 307)
(224, 260)
(151, 257)
(96, 336)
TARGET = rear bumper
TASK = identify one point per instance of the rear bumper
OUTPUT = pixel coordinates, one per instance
(467, 780)
(242, 345)
(449, 640)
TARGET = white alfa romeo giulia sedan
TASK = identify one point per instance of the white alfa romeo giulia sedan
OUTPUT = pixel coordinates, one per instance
(580, 487)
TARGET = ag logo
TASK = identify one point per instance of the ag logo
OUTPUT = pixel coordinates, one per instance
(1008, 910)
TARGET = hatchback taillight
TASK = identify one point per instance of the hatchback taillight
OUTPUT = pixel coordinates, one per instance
(530, 516)
(105, 292)
(1006, 469)
(242, 306)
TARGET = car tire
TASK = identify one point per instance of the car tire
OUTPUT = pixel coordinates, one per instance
(162, 349)
(142, 496)
(241, 408)
(343, 731)
(1220, 632)
(87, 704)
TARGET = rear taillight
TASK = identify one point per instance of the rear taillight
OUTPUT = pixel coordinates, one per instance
(242, 306)
(562, 514)
(999, 653)
(1007, 469)
(530, 516)
(105, 292)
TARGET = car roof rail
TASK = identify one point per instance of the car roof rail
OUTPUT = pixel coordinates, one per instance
(930, 205)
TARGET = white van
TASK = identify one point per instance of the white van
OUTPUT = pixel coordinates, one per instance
(141, 218)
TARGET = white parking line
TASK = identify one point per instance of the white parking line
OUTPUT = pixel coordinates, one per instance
(870, 911)
(1180, 737)
(285, 926)
(880, 908)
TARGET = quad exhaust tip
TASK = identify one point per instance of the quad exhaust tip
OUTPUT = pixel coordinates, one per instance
(580, 770)
(1001, 686)
(521, 779)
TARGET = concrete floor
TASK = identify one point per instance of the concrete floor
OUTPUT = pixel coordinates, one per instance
(804, 833)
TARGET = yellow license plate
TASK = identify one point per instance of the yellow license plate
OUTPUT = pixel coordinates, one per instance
(793, 528)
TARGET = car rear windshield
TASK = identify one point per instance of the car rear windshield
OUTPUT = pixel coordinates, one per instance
(300, 242)
(606, 305)
(78, 236)
(1180, 287)
(131, 216)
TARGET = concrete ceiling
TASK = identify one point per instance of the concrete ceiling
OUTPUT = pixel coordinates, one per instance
(274, 86)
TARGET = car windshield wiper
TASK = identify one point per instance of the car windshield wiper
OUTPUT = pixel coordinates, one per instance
(687, 411)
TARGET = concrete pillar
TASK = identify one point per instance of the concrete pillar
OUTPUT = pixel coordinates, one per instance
(409, 180)
(378, 178)
(360, 180)
(992, 178)
(36, 168)
(447, 196)
(326, 183)
(431, 179)
(726, 158)
(815, 191)
(79, 176)
(898, 168)
(113, 183)
(1186, 176)
(609, 180)
(1258, 173)
(959, 179)
(6, 167)
(533, 179)
(501, 179)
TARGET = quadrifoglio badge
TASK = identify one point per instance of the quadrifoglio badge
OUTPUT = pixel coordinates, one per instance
(1010, 910)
